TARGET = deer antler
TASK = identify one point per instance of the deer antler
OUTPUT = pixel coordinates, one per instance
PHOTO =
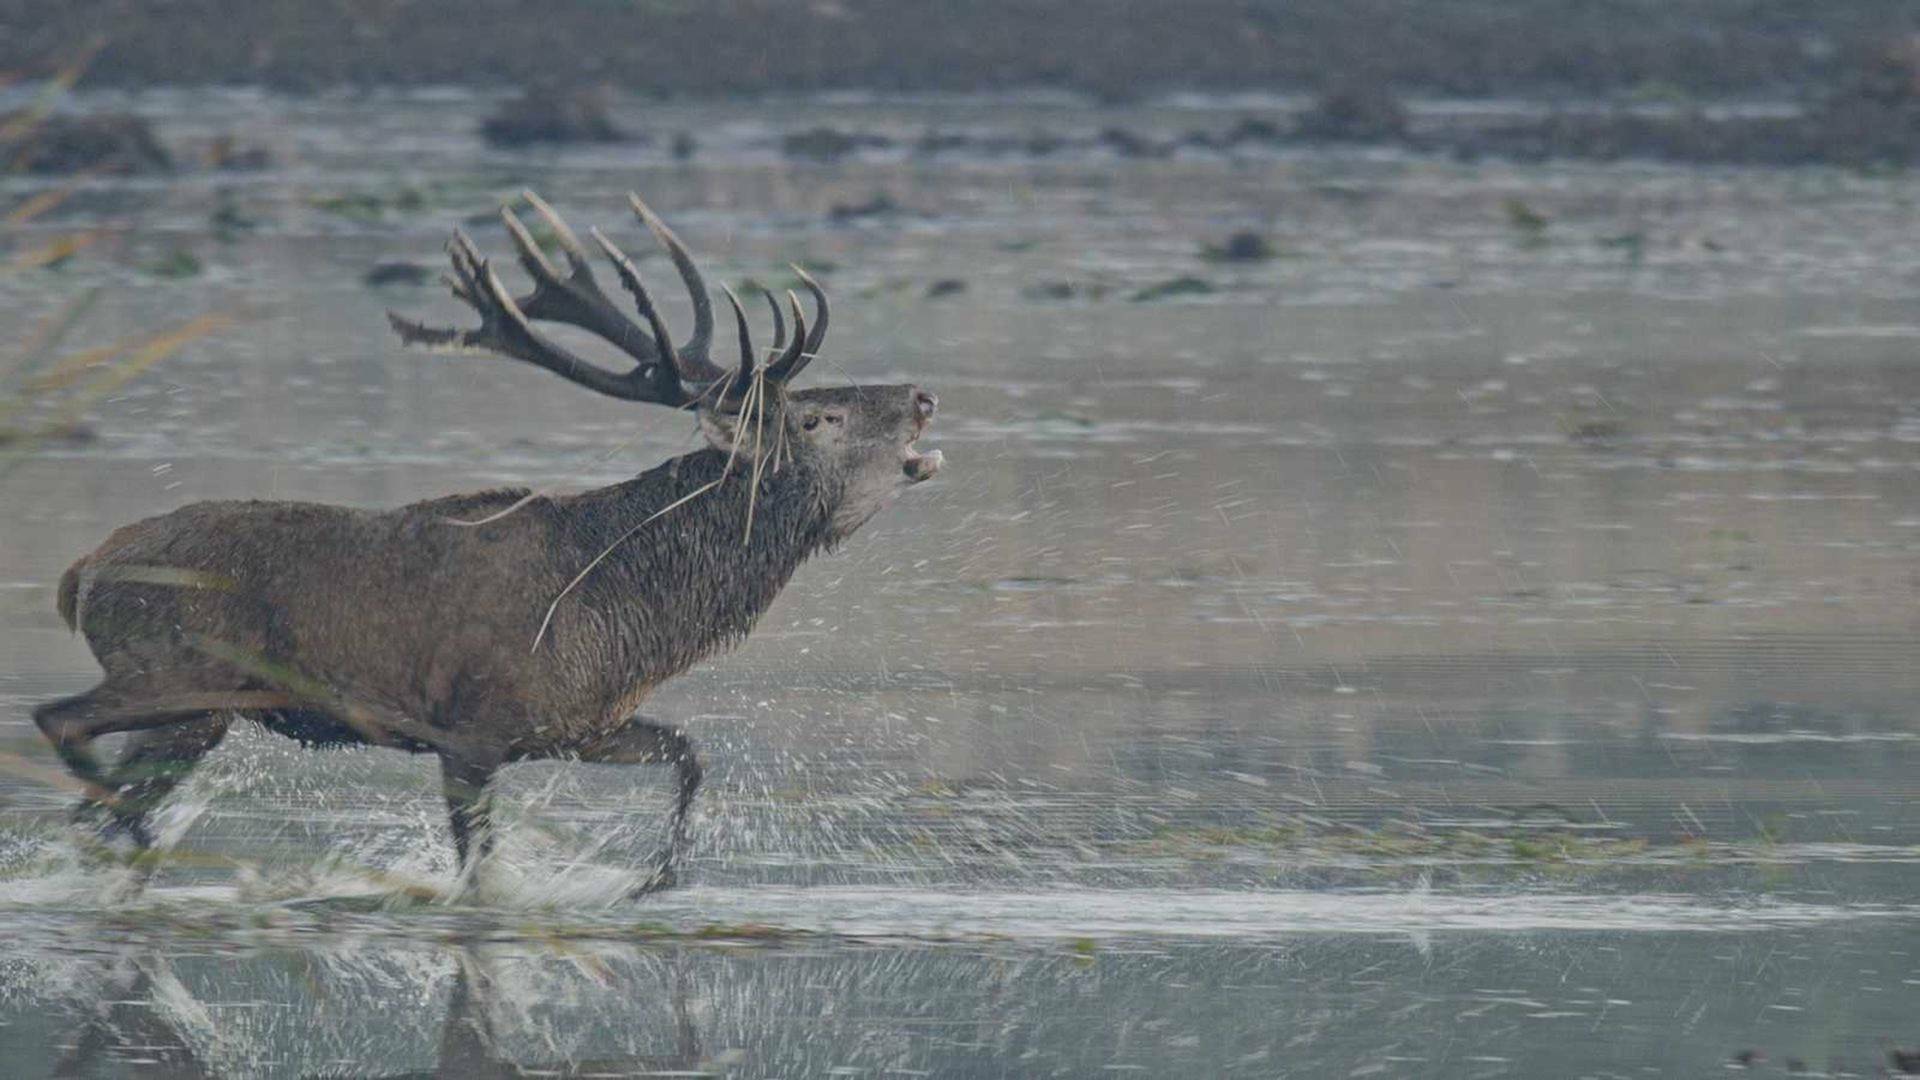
(663, 373)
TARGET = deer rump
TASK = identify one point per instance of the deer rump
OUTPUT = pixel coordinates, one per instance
(499, 626)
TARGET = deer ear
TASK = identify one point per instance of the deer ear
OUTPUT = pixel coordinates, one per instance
(720, 429)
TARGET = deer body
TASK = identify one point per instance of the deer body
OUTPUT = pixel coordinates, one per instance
(411, 612)
(485, 628)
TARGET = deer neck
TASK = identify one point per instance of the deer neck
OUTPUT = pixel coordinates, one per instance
(707, 553)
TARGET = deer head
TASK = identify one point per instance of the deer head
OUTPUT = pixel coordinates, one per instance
(860, 437)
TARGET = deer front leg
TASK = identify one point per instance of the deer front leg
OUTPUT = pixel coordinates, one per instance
(648, 742)
(469, 810)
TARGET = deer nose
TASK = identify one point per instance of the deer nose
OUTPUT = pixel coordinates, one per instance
(924, 403)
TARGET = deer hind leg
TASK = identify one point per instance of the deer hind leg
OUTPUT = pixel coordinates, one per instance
(154, 763)
(69, 725)
(469, 809)
(647, 742)
(72, 724)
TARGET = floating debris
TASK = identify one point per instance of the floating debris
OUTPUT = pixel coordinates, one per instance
(114, 144)
(1066, 290)
(228, 153)
(1354, 112)
(386, 274)
(826, 144)
(1531, 224)
(366, 207)
(178, 262)
(1129, 144)
(228, 222)
(881, 204)
(1242, 246)
(1174, 287)
(544, 115)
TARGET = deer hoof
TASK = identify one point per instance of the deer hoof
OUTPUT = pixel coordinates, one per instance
(108, 838)
(660, 878)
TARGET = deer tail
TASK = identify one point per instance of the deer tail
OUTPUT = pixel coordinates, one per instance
(67, 600)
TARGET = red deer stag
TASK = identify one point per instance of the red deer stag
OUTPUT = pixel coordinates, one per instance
(500, 626)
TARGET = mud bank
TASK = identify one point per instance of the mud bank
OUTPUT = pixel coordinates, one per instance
(1111, 48)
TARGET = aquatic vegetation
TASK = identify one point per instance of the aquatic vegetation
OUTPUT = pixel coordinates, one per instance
(826, 144)
(1244, 245)
(39, 140)
(1598, 432)
(229, 153)
(1173, 288)
(386, 274)
(117, 145)
(1131, 144)
(879, 204)
(369, 207)
(1632, 244)
(1354, 111)
(545, 114)
(228, 221)
(1067, 290)
(1528, 222)
(177, 262)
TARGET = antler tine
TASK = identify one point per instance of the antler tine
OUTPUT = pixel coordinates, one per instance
(499, 295)
(796, 356)
(467, 264)
(506, 328)
(664, 373)
(575, 298)
(693, 351)
(779, 320)
(630, 277)
(531, 256)
(576, 253)
(820, 310)
(743, 376)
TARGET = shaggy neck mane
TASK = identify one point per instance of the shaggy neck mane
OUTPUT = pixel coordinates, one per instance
(695, 579)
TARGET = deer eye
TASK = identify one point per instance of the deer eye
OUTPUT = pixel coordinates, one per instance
(810, 423)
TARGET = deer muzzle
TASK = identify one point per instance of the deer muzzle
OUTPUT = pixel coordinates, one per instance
(916, 464)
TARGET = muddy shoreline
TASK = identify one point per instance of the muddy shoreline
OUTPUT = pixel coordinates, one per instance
(1114, 49)
(1842, 87)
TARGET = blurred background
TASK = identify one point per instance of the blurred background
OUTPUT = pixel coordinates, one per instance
(1423, 583)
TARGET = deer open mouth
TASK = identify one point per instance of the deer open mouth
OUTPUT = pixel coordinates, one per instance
(920, 465)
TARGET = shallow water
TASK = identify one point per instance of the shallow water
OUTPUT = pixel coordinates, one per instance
(1447, 649)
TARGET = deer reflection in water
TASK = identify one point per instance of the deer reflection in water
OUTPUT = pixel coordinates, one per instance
(142, 1021)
